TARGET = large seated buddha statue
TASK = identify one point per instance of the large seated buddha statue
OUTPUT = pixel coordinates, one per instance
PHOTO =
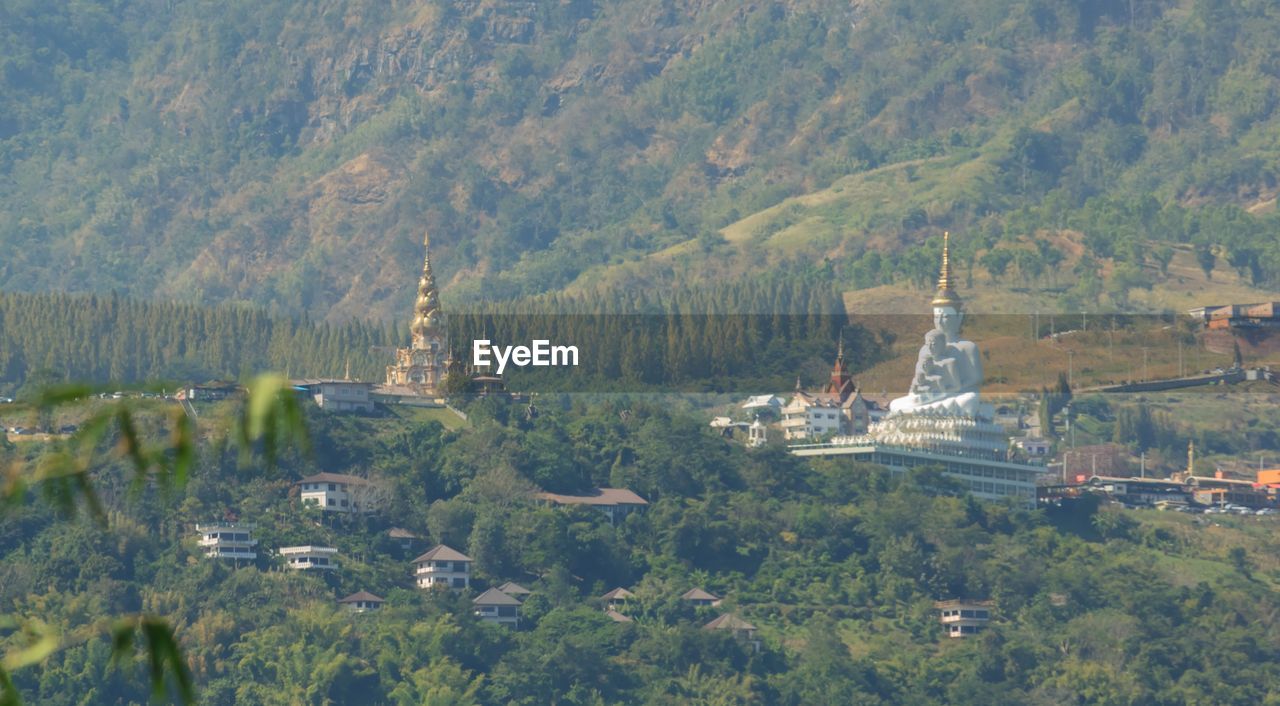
(948, 369)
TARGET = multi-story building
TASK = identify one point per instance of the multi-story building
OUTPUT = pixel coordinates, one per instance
(494, 606)
(442, 566)
(310, 557)
(228, 540)
(961, 617)
(839, 409)
(338, 492)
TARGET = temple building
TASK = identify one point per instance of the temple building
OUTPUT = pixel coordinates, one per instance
(941, 421)
(419, 370)
(839, 409)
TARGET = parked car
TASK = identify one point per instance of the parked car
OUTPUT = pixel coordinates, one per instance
(1266, 511)
(6, 400)
(67, 429)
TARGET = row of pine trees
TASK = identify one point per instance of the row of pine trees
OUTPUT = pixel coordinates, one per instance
(695, 339)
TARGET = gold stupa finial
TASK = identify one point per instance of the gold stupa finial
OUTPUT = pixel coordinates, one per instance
(426, 309)
(946, 295)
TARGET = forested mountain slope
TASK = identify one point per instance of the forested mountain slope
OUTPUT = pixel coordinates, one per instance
(292, 154)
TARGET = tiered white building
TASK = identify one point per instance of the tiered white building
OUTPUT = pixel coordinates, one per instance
(442, 566)
(228, 540)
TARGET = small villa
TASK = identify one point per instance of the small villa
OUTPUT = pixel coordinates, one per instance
(361, 601)
(741, 629)
(617, 503)
(227, 540)
(442, 566)
(961, 617)
(617, 598)
(309, 557)
(336, 492)
(494, 606)
(515, 590)
(700, 598)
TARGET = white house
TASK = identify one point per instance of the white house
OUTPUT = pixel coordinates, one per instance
(310, 557)
(338, 492)
(962, 617)
(442, 566)
(338, 395)
(228, 540)
(494, 606)
(361, 601)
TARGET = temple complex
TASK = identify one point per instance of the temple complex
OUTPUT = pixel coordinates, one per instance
(419, 370)
(941, 421)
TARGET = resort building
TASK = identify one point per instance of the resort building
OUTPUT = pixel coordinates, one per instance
(228, 540)
(442, 566)
(309, 557)
(700, 598)
(494, 606)
(337, 395)
(742, 630)
(361, 601)
(515, 590)
(961, 617)
(617, 503)
(338, 492)
(617, 598)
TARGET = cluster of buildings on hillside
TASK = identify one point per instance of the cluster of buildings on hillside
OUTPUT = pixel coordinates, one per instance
(1183, 491)
(439, 567)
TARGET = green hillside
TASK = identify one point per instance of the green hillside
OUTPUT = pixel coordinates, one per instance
(835, 564)
(293, 154)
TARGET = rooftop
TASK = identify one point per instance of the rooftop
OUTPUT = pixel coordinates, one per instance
(697, 594)
(334, 478)
(442, 553)
(728, 621)
(617, 617)
(494, 597)
(618, 593)
(599, 496)
(511, 588)
(362, 596)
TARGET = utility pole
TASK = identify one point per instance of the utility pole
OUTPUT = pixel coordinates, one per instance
(1143, 468)
(1144, 363)
(1071, 369)
(1180, 371)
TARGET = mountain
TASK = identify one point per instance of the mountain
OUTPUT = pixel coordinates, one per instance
(294, 154)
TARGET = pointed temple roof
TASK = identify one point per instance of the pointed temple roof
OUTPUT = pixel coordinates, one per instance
(946, 295)
(426, 310)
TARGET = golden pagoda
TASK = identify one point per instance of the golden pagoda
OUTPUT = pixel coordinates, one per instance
(946, 294)
(420, 368)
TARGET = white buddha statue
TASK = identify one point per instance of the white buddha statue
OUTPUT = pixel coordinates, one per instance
(949, 368)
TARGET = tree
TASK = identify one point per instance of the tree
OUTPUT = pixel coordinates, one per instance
(270, 422)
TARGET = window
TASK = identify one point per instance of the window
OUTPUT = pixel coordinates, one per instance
(506, 611)
(333, 486)
(344, 503)
(459, 583)
(331, 502)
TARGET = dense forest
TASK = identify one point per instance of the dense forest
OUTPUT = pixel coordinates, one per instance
(731, 337)
(293, 153)
(837, 564)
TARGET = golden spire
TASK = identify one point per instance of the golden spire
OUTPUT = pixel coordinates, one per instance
(426, 310)
(946, 295)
